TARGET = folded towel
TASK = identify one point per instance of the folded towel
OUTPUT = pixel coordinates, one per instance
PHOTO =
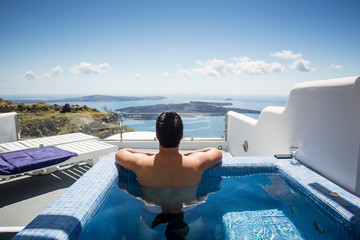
(32, 159)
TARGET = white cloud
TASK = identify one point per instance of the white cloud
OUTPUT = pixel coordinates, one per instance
(183, 73)
(257, 67)
(214, 67)
(56, 71)
(335, 67)
(86, 68)
(165, 74)
(277, 67)
(238, 66)
(301, 65)
(29, 75)
(287, 54)
(199, 62)
(138, 76)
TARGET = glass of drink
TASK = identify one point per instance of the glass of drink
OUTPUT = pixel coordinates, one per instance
(293, 149)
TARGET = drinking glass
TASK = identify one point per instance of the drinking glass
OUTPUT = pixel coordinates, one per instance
(293, 149)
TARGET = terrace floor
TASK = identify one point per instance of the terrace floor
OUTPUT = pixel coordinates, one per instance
(24, 197)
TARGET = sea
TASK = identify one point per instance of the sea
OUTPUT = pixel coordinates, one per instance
(195, 125)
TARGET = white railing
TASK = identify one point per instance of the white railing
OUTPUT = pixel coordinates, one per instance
(113, 126)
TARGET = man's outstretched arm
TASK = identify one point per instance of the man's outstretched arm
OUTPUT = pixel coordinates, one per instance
(130, 158)
(207, 157)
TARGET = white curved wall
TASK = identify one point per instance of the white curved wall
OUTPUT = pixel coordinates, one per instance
(322, 116)
(8, 131)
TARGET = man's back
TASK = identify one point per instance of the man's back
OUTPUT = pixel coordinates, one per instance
(169, 168)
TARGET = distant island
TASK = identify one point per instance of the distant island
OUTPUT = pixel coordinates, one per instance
(152, 111)
(92, 98)
(212, 103)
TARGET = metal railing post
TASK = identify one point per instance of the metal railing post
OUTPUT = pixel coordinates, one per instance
(17, 123)
(122, 127)
(226, 126)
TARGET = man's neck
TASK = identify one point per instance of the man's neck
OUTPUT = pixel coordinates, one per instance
(169, 151)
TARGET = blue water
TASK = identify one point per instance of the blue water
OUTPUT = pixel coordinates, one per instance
(202, 126)
(249, 102)
(259, 206)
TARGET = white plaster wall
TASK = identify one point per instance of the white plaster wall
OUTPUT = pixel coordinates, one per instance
(241, 128)
(8, 132)
(322, 116)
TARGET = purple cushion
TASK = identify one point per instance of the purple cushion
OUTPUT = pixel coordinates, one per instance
(5, 168)
(32, 159)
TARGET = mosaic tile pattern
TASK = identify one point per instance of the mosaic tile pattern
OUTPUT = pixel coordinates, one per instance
(64, 217)
(236, 223)
(67, 215)
(346, 207)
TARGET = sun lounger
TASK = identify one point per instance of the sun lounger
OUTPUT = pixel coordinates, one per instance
(51, 158)
(43, 142)
(35, 156)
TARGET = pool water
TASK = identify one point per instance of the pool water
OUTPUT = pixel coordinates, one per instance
(257, 206)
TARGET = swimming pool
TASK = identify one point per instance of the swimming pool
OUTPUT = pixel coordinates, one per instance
(250, 206)
(67, 216)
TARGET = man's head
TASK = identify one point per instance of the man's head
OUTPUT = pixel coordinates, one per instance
(169, 129)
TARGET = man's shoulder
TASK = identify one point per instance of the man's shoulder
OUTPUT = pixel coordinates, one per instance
(133, 159)
(144, 160)
(193, 162)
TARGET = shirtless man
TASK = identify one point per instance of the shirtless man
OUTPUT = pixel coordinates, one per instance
(169, 167)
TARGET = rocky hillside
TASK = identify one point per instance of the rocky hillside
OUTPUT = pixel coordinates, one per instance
(41, 119)
(9, 106)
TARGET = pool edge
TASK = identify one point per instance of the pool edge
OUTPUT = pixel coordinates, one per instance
(66, 216)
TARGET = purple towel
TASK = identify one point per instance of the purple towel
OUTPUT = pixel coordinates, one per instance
(28, 160)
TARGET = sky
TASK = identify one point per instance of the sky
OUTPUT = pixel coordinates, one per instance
(145, 48)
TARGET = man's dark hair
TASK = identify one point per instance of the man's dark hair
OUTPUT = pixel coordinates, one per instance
(169, 129)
